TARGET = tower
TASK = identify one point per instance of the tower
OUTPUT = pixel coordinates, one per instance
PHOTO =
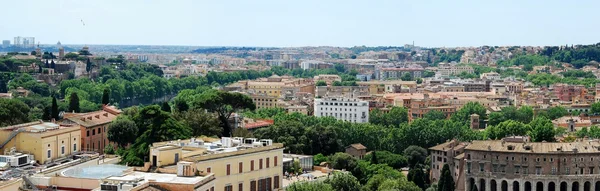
(474, 121)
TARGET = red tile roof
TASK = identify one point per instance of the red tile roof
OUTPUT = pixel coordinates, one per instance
(259, 123)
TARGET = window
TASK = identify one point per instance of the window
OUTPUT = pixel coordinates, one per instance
(208, 170)
(275, 161)
(75, 147)
(228, 169)
(252, 165)
(253, 185)
(517, 168)
(241, 187)
(49, 153)
(260, 163)
(481, 166)
(99, 130)
(268, 163)
(241, 169)
(276, 182)
(553, 170)
(538, 170)
(62, 150)
(88, 133)
(591, 170)
(228, 188)
(567, 170)
(93, 131)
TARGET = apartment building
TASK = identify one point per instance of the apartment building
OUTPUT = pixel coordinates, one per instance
(264, 101)
(237, 163)
(566, 92)
(419, 107)
(389, 86)
(347, 109)
(46, 141)
(446, 70)
(490, 76)
(446, 153)
(397, 73)
(273, 86)
(93, 127)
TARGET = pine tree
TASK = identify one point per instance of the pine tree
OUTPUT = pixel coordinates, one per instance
(374, 157)
(105, 97)
(446, 182)
(74, 103)
(52, 65)
(47, 64)
(54, 109)
(88, 66)
(166, 107)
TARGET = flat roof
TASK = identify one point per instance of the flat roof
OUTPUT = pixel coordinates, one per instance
(158, 177)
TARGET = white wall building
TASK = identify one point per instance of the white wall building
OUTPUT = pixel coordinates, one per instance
(347, 109)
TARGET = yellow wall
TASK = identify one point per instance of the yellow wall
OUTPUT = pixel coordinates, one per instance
(38, 144)
(219, 168)
(165, 157)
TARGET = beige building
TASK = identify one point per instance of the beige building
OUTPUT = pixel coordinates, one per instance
(237, 163)
(46, 141)
(382, 87)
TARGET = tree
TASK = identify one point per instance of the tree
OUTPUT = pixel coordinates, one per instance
(224, 104)
(542, 130)
(88, 65)
(417, 176)
(374, 158)
(201, 122)
(337, 83)
(12, 112)
(74, 103)
(343, 181)
(558, 112)
(435, 115)
(166, 107)
(507, 128)
(343, 161)
(388, 158)
(416, 155)
(595, 107)
(406, 77)
(394, 117)
(318, 159)
(54, 109)
(105, 96)
(446, 182)
(121, 131)
(237, 132)
(52, 64)
(309, 186)
(464, 114)
(321, 83)
(33, 53)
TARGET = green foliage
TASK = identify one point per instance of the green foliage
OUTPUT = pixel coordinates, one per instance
(74, 103)
(54, 109)
(595, 108)
(224, 104)
(27, 82)
(542, 130)
(578, 74)
(395, 117)
(166, 107)
(448, 56)
(390, 159)
(466, 75)
(310, 186)
(592, 132)
(105, 96)
(318, 159)
(343, 161)
(343, 181)
(507, 128)
(406, 77)
(555, 112)
(527, 61)
(445, 181)
(121, 131)
(201, 122)
(464, 114)
(435, 115)
(321, 83)
(416, 155)
(546, 80)
(265, 113)
(417, 176)
(109, 149)
(12, 112)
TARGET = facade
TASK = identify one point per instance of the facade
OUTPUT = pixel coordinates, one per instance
(46, 141)
(572, 123)
(347, 109)
(93, 127)
(516, 164)
(356, 150)
(476, 87)
(566, 92)
(237, 163)
(490, 76)
(417, 108)
(397, 73)
(382, 87)
(446, 153)
(341, 91)
(452, 70)
(5, 43)
(264, 101)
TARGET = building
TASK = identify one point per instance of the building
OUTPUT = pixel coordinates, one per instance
(24, 42)
(314, 64)
(237, 163)
(397, 73)
(566, 92)
(388, 86)
(341, 91)
(159, 181)
(514, 163)
(356, 150)
(347, 109)
(93, 127)
(446, 70)
(327, 78)
(490, 76)
(5, 43)
(274, 85)
(46, 141)
(446, 153)
(305, 161)
(572, 123)
(476, 86)
(419, 107)
(264, 101)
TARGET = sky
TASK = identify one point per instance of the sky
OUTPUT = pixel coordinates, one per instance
(293, 23)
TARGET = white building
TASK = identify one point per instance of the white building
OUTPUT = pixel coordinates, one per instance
(311, 64)
(347, 109)
(445, 70)
(490, 76)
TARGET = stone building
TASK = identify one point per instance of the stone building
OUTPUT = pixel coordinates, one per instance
(357, 150)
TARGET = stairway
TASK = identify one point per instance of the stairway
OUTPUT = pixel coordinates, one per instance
(28, 184)
(11, 136)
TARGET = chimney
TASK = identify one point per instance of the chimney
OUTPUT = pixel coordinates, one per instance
(83, 119)
(97, 116)
(105, 114)
(89, 118)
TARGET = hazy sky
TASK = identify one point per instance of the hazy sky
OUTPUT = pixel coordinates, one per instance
(285, 23)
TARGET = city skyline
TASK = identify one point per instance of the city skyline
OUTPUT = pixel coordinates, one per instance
(306, 23)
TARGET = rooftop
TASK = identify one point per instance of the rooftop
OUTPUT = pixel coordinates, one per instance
(93, 118)
(589, 146)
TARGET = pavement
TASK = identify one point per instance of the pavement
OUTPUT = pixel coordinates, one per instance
(316, 174)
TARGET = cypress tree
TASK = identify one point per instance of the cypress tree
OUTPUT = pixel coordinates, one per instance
(74, 103)
(374, 158)
(446, 182)
(52, 65)
(105, 97)
(54, 109)
(88, 66)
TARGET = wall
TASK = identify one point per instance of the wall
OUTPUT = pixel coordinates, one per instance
(11, 185)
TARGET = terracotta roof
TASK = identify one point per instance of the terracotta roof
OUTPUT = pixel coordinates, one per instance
(93, 118)
(258, 124)
(536, 147)
(357, 146)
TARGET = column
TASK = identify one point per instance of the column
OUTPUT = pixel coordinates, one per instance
(569, 184)
(533, 186)
(510, 186)
(581, 185)
(556, 186)
(521, 185)
(592, 185)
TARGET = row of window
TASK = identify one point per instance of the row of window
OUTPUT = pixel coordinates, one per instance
(260, 185)
(517, 169)
(94, 131)
(335, 109)
(340, 104)
(62, 150)
(538, 159)
(241, 165)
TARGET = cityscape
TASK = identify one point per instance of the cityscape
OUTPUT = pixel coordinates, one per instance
(246, 111)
